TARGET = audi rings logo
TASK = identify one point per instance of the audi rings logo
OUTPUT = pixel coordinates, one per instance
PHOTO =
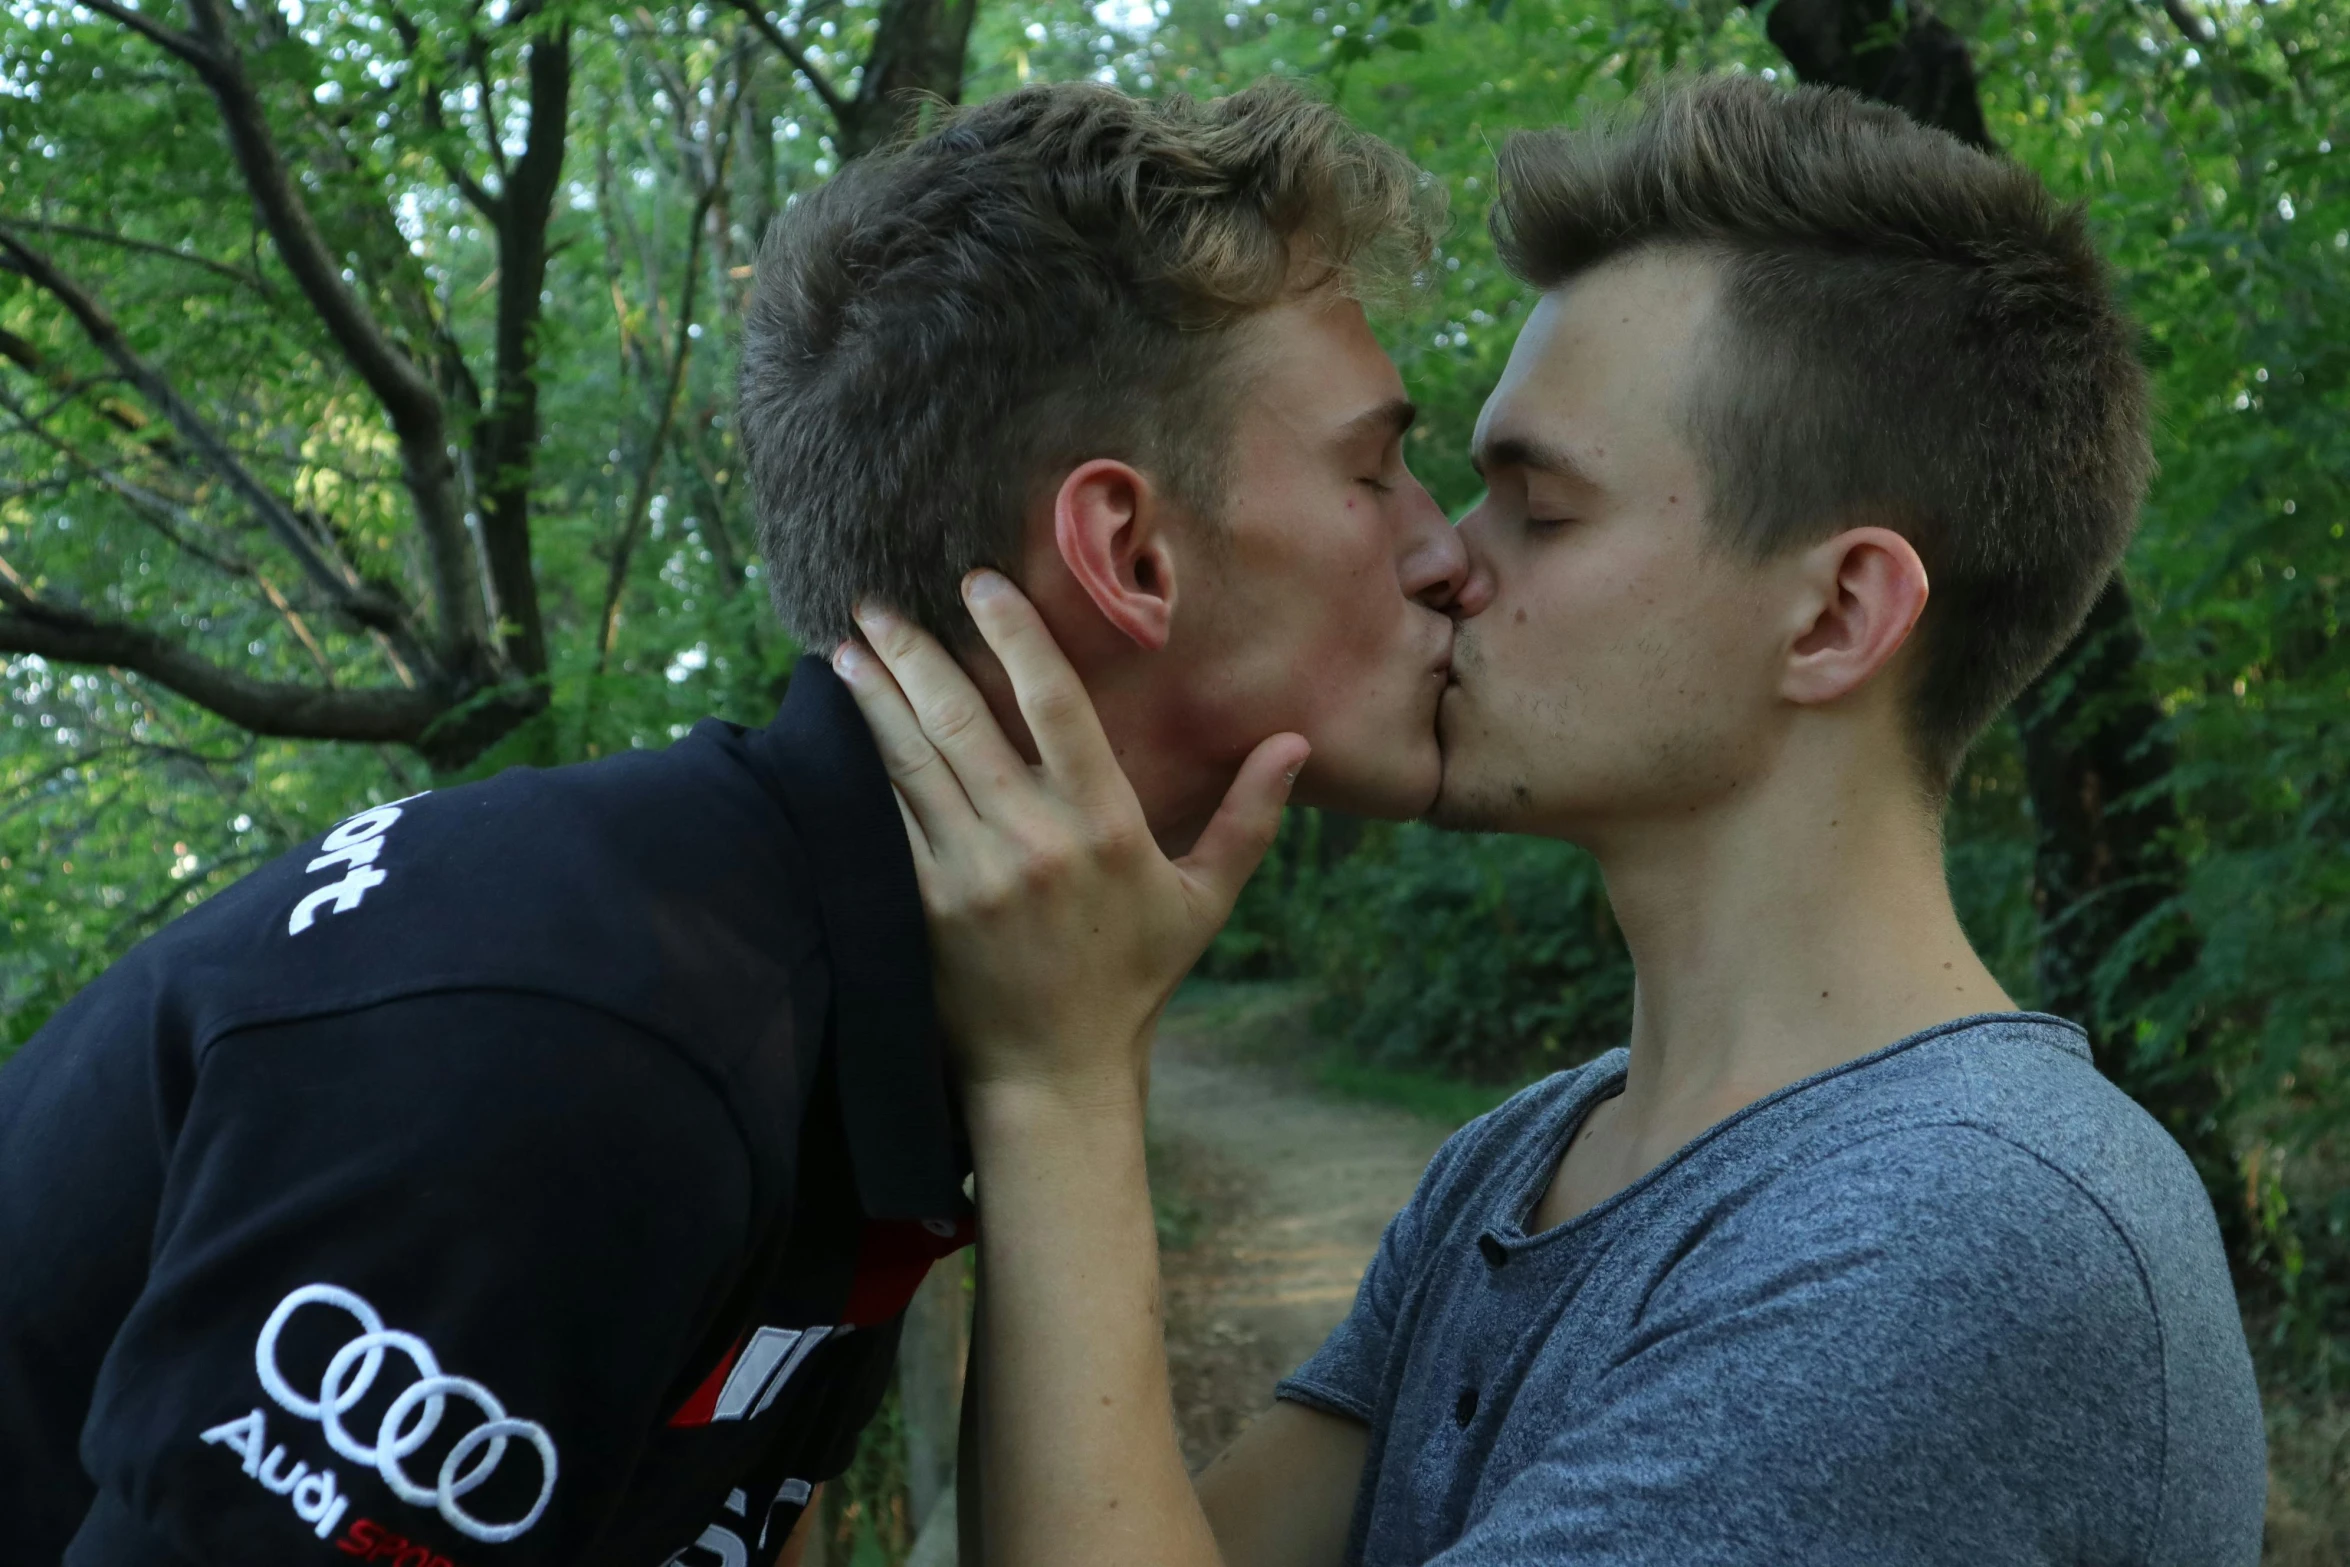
(411, 1419)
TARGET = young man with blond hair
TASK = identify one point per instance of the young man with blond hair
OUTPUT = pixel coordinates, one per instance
(1819, 442)
(535, 1171)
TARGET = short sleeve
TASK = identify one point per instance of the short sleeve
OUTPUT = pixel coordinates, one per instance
(1343, 1376)
(1347, 1374)
(1860, 1368)
(426, 1270)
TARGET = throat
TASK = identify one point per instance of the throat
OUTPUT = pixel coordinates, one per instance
(1595, 1166)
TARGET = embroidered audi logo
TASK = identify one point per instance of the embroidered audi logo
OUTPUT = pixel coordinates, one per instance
(412, 1417)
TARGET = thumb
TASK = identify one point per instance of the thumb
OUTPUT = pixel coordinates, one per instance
(1227, 854)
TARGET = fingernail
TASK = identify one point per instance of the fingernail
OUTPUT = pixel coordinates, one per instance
(873, 616)
(983, 584)
(848, 660)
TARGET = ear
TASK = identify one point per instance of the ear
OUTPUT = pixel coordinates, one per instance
(1867, 590)
(1110, 526)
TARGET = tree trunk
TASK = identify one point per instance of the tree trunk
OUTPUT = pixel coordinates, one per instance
(2107, 873)
(918, 51)
(2107, 882)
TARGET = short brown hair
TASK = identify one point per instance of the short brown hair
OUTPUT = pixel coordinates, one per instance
(1911, 332)
(1040, 280)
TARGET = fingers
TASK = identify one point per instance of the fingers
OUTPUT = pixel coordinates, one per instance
(1061, 717)
(953, 715)
(926, 785)
(1236, 839)
(918, 841)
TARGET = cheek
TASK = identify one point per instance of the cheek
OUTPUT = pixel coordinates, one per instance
(1624, 652)
(1325, 589)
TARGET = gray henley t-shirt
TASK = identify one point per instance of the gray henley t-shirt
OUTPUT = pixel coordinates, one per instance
(1957, 1302)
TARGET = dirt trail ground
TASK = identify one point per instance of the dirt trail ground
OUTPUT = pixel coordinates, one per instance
(1283, 1192)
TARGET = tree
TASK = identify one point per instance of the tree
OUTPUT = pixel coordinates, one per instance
(354, 134)
(444, 680)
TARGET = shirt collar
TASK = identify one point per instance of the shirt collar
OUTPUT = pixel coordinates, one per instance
(905, 1141)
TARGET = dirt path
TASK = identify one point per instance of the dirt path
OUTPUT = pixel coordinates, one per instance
(1284, 1192)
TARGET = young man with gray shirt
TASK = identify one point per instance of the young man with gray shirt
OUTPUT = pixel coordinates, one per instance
(1824, 434)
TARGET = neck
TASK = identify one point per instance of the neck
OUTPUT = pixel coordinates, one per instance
(1153, 734)
(1799, 922)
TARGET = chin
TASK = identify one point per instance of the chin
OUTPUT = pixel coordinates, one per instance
(1462, 807)
(1394, 787)
(1478, 792)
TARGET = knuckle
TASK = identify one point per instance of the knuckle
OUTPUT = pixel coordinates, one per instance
(1055, 700)
(993, 891)
(948, 718)
(892, 636)
(911, 761)
(1043, 863)
(1113, 838)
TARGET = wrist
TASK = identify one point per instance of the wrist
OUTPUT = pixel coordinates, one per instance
(1023, 1104)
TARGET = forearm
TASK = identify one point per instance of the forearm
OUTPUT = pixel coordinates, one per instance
(1077, 1426)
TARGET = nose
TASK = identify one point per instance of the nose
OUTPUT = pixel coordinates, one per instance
(1479, 581)
(1432, 562)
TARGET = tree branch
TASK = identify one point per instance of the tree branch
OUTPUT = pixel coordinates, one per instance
(2198, 29)
(264, 707)
(114, 410)
(362, 604)
(489, 112)
(791, 51)
(144, 246)
(477, 195)
(165, 515)
(428, 97)
(616, 576)
(170, 38)
(408, 397)
(506, 441)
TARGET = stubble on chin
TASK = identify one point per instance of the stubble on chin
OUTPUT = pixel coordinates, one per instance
(1466, 802)
(1463, 806)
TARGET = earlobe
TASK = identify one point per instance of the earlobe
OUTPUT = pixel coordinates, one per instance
(1870, 588)
(1109, 527)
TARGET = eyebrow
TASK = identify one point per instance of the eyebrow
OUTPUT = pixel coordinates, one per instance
(1390, 419)
(1526, 451)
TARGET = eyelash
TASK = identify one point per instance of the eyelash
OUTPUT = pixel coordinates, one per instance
(1379, 486)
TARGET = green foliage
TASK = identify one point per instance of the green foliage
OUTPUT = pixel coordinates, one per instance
(863, 1513)
(1489, 959)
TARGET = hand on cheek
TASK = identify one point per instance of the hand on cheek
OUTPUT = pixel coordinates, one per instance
(1058, 928)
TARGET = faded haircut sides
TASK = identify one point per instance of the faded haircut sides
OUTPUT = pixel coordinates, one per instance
(951, 324)
(1911, 333)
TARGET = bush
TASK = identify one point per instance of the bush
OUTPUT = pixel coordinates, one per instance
(1489, 959)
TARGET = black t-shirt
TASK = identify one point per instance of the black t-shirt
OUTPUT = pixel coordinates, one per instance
(529, 1172)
